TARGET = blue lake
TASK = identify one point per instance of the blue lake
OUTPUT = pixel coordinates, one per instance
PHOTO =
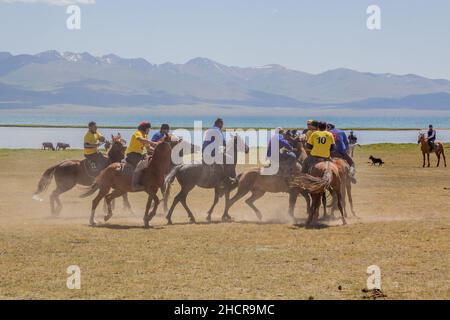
(16, 137)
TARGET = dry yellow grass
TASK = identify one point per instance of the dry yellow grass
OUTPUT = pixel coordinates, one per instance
(404, 229)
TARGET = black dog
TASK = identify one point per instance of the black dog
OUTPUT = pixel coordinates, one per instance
(377, 161)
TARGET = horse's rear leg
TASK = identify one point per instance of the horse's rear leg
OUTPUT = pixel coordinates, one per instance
(339, 202)
(182, 195)
(216, 199)
(109, 199)
(315, 200)
(307, 197)
(438, 154)
(324, 203)
(350, 198)
(54, 197)
(256, 194)
(189, 212)
(101, 194)
(243, 189)
(293, 194)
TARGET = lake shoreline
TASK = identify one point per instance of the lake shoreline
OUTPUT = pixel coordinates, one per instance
(69, 126)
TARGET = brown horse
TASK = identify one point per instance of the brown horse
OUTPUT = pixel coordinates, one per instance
(346, 188)
(425, 147)
(115, 177)
(69, 173)
(323, 176)
(258, 184)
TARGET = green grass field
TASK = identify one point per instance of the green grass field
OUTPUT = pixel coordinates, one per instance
(403, 228)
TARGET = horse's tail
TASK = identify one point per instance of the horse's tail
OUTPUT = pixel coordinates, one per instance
(314, 184)
(44, 182)
(168, 183)
(94, 187)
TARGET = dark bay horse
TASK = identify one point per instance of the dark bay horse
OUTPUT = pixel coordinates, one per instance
(205, 176)
(120, 180)
(69, 173)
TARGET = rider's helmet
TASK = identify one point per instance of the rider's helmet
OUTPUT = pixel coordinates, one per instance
(430, 126)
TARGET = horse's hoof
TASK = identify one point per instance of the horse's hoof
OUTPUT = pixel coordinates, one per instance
(169, 222)
(192, 221)
(107, 217)
(93, 223)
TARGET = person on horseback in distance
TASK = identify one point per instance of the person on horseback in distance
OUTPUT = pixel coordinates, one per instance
(92, 140)
(320, 144)
(431, 136)
(136, 152)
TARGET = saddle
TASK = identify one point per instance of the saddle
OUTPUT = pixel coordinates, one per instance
(92, 168)
(211, 175)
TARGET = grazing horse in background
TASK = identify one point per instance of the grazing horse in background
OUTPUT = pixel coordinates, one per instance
(72, 172)
(323, 176)
(258, 184)
(425, 147)
(205, 176)
(48, 145)
(114, 176)
(62, 146)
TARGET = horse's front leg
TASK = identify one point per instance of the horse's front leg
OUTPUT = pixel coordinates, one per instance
(155, 206)
(428, 159)
(147, 209)
(226, 216)
(216, 199)
(423, 155)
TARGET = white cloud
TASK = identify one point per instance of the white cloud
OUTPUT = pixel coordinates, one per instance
(52, 2)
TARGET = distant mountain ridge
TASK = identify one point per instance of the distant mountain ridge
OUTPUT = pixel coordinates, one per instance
(52, 77)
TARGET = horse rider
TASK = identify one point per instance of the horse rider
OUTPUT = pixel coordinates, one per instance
(352, 139)
(212, 133)
(210, 138)
(342, 145)
(287, 159)
(320, 144)
(163, 131)
(136, 152)
(431, 136)
(92, 140)
(311, 126)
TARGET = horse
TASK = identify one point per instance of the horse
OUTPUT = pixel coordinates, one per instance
(48, 146)
(346, 187)
(62, 146)
(258, 184)
(205, 176)
(69, 173)
(425, 147)
(115, 177)
(323, 176)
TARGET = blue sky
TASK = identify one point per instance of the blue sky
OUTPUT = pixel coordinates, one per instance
(311, 36)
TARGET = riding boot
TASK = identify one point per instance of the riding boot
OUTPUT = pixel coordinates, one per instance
(136, 178)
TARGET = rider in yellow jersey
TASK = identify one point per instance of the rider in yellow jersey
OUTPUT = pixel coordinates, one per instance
(92, 140)
(135, 152)
(320, 144)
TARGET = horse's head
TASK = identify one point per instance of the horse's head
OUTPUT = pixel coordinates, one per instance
(117, 147)
(421, 137)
